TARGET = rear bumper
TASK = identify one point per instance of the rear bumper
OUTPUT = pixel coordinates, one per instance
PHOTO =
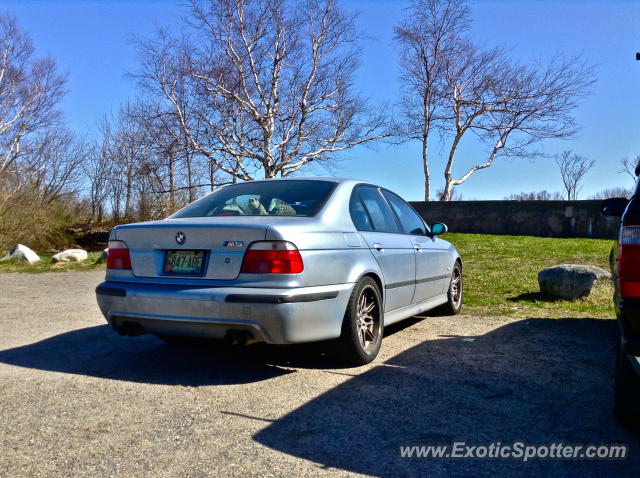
(277, 316)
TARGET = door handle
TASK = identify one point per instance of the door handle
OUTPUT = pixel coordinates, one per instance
(378, 247)
(417, 248)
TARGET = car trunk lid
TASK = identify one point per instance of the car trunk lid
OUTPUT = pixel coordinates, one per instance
(222, 240)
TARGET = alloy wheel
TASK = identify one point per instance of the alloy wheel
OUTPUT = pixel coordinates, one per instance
(367, 319)
(456, 286)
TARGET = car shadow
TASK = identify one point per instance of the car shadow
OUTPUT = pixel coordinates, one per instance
(540, 381)
(98, 351)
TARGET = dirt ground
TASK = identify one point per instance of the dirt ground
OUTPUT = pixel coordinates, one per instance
(77, 400)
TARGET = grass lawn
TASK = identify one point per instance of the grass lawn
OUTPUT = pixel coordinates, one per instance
(46, 265)
(501, 275)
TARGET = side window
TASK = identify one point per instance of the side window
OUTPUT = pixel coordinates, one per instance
(359, 214)
(409, 219)
(377, 208)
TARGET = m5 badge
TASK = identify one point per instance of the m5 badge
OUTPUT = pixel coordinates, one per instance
(233, 243)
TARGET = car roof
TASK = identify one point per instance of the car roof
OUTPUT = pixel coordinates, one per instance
(302, 178)
(332, 179)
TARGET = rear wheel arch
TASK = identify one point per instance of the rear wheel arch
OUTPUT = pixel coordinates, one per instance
(378, 281)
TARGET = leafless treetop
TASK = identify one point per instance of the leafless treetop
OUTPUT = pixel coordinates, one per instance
(30, 91)
(573, 168)
(262, 86)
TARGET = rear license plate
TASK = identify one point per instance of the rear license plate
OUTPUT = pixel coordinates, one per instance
(184, 262)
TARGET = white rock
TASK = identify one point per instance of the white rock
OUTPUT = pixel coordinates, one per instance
(70, 255)
(23, 254)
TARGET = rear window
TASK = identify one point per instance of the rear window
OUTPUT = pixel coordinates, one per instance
(263, 198)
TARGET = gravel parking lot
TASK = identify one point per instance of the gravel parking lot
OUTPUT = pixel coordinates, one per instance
(77, 400)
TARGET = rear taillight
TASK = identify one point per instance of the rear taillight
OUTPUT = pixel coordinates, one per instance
(118, 256)
(272, 257)
(628, 265)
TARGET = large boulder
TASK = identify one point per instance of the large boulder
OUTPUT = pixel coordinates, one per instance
(570, 281)
(23, 254)
(70, 255)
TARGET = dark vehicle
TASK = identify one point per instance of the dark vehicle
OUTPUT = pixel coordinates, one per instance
(625, 269)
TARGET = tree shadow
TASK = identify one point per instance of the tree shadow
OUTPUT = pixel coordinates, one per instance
(537, 380)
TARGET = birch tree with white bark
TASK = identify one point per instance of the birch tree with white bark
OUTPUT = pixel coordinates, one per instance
(481, 95)
(261, 87)
(30, 92)
(427, 38)
(508, 106)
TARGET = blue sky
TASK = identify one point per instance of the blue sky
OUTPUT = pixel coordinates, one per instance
(90, 41)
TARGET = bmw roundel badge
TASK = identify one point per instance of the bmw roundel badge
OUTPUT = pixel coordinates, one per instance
(180, 238)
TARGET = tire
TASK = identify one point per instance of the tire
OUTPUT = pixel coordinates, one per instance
(626, 397)
(363, 324)
(454, 293)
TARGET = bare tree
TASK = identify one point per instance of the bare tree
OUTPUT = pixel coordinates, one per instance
(481, 93)
(629, 166)
(614, 192)
(130, 152)
(30, 91)
(573, 168)
(32, 172)
(510, 107)
(139, 168)
(543, 195)
(427, 38)
(260, 86)
(104, 171)
(120, 149)
(52, 169)
(98, 173)
(173, 162)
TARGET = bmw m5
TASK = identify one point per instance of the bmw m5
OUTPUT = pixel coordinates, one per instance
(282, 261)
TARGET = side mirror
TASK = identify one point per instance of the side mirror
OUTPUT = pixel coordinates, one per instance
(614, 206)
(438, 228)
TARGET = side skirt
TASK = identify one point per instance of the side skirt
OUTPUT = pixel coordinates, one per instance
(414, 309)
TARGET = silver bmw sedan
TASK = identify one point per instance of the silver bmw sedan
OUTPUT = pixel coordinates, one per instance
(281, 261)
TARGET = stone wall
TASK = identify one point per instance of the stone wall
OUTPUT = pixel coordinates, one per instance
(522, 218)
